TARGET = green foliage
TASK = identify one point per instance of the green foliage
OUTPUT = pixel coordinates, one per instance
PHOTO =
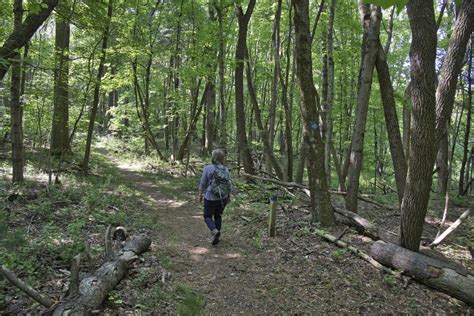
(390, 280)
(190, 302)
(339, 252)
(399, 4)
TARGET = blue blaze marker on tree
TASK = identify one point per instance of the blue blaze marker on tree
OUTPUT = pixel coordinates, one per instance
(314, 126)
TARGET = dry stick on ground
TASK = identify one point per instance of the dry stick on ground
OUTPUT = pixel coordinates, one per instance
(10, 276)
(303, 187)
(450, 229)
(357, 252)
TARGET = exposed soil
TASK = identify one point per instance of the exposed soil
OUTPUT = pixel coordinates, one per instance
(250, 273)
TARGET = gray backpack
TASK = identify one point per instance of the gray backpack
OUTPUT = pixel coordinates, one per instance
(220, 183)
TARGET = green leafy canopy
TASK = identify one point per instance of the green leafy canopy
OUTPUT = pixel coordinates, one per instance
(399, 4)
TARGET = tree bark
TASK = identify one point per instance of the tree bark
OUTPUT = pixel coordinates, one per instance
(95, 102)
(244, 149)
(371, 24)
(391, 121)
(143, 102)
(21, 35)
(16, 109)
(442, 164)
(60, 128)
(263, 133)
(310, 111)
(195, 113)
(423, 142)
(468, 123)
(330, 94)
(211, 92)
(442, 276)
(221, 66)
(430, 114)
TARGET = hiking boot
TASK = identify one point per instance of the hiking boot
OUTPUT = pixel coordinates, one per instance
(215, 236)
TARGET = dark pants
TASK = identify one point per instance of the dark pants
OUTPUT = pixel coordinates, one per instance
(213, 213)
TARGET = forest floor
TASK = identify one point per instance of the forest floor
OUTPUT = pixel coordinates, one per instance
(246, 273)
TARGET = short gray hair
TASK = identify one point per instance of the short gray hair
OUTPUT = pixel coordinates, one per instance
(218, 156)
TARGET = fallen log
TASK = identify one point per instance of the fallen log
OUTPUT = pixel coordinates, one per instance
(94, 289)
(363, 226)
(440, 275)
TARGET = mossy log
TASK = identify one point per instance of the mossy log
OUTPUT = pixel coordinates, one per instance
(94, 289)
(440, 275)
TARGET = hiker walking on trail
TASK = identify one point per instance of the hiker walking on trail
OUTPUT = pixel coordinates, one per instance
(215, 188)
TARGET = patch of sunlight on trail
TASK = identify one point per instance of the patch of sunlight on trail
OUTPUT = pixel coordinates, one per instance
(203, 253)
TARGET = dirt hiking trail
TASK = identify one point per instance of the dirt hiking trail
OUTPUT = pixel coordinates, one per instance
(249, 273)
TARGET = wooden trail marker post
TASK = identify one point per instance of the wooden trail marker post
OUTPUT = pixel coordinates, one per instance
(272, 216)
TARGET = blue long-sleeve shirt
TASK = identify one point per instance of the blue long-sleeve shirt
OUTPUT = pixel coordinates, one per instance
(206, 181)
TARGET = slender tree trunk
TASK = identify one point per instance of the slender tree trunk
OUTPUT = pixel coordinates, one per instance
(391, 121)
(321, 203)
(301, 161)
(371, 24)
(244, 149)
(330, 99)
(142, 100)
(442, 164)
(95, 102)
(60, 126)
(16, 109)
(211, 92)
(221, 64)
(263, 133)
(468, 123)
(284, 84)
(195, 113)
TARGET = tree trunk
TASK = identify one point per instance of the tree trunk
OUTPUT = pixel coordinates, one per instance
(244, 149)
(468, 123)
(443, 276)
(95, 102)
(16, 109)
(371, 24)
(330, 93)
(263, 133)
(221, 64)
(407, 123)
(301, 161)
(21, 35)
(310, 111)
(195, 113)
(442, 165)
(60, 128)
(142, 101)
(391, 121)
(430, 114)
(211, 92)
